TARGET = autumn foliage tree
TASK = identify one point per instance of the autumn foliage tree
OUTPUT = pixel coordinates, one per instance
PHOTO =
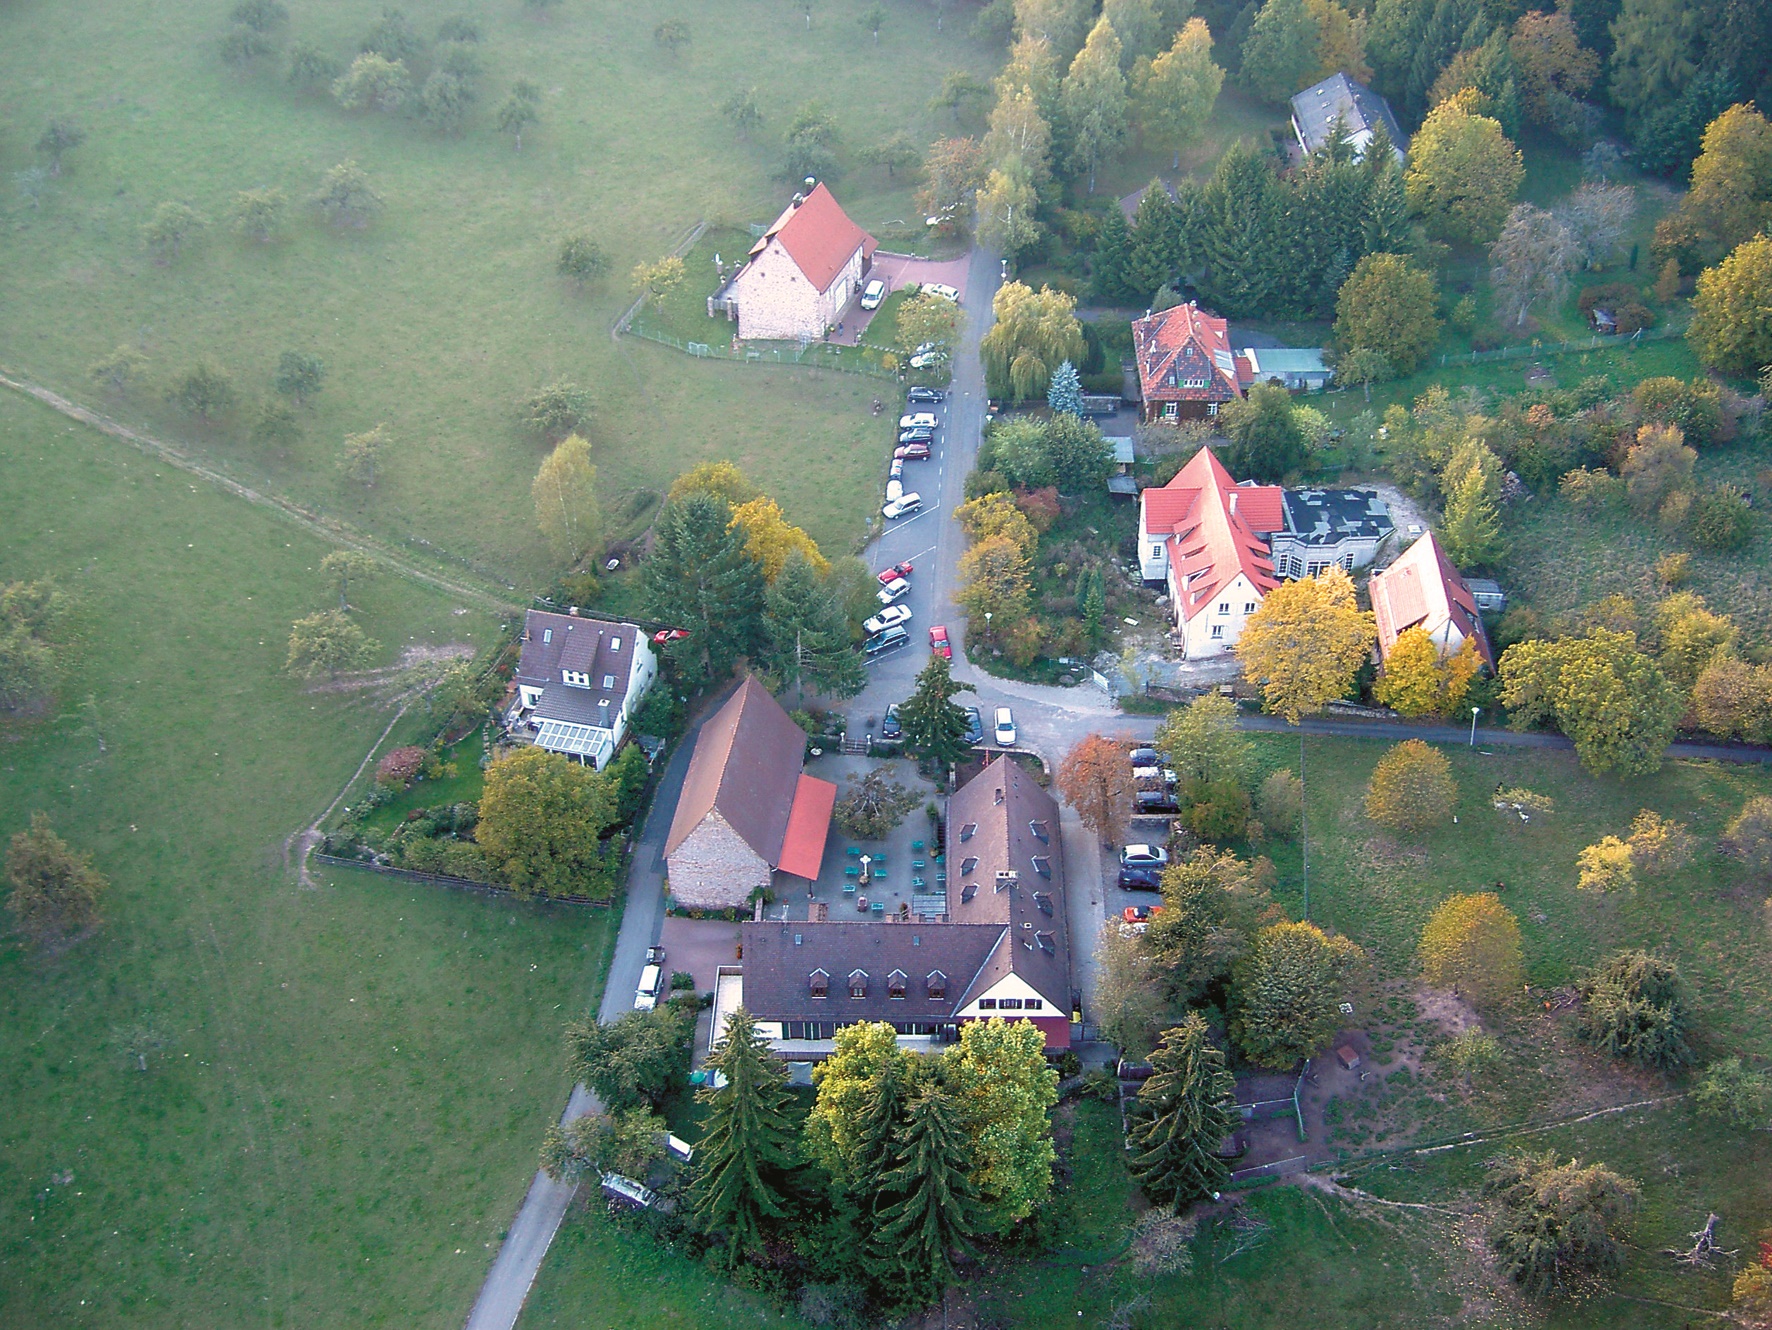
(1418, 682)
(542, 817)
(1463, 173)
(1305, 643)
(1285, 993)
(1471, 944)
(1412, 788)
(770, 538)
(1096, 779)
(1611, 699)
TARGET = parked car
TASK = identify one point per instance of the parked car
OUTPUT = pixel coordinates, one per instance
(890, 727)
(1004, 728)
(922, 434)
(873, 294)
(1146, 802)
(1140, 914)
(1146, 757)
(928, 357)
(939, 644)
(1141, 879)
(652, 980)
(886, 618)
(974, 726)
(896, 589)
(919, 420)
(925, 395)
(1144, 856)
(894, 573)
(903, 506)
(890, 640)
(917, 450)
(894, 490)
(941, 289)
(896, 471)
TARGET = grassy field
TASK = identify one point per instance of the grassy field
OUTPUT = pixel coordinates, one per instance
(440, 318)
(356, 1076)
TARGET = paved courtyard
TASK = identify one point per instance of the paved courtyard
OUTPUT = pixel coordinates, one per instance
(896, 270)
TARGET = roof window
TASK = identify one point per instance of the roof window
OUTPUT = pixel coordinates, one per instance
(1042, 831)
(547, 635)
(819, 985)
(858, 983)
(609, 681)
(938, 985)
(895, 985)
(1043, 866)
(968, 831)
(1043, 902)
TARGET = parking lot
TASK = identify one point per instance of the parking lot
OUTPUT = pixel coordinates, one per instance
(897, 270)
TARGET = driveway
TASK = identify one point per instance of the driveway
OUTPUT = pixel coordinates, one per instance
(896, 270)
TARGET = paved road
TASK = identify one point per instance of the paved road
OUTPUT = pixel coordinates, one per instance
(532, 1232)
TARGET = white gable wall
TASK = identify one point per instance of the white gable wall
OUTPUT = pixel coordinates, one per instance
(1227, 612)
(1014, 987)
(1153, 556)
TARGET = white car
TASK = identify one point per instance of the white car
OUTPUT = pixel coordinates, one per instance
(1144, 856)
(941, 289)
(1005, 727)
(894, 490)
(929, 358)
(889, 617)
(651, 985)
(903, 506)
(921, 420)
(874, 294)
(894, 590)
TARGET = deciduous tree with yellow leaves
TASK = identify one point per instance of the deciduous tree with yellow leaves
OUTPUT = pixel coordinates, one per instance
(1417, 682)
(1412, 788)
(1471, 944)
(1305, 644)
(770, 538)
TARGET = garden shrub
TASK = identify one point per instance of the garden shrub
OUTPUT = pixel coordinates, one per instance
(400, 767)
(1633, 1007)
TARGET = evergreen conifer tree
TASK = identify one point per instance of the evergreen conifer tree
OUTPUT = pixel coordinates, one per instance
(1183, 1112)
(1242, 226)
(808, 627)
(746, 1156)
(1113, 253)
(1155, 251)
(939, 1212)
(700, 578)
(1065, 392)
(933, 726)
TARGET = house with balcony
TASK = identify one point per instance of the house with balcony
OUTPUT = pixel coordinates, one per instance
(999, 948)
(580, 683)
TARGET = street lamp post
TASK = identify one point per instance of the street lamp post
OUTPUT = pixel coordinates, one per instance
(1474, 711)
(987, 625)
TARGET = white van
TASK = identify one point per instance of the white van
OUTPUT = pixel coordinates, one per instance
(651, 984)
(874, 294)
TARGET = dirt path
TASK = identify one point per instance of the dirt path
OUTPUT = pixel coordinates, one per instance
(328, 529)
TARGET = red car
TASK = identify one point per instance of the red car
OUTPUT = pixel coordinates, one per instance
(895, 572)
(939, 644)
(912, 452)
(664, 635)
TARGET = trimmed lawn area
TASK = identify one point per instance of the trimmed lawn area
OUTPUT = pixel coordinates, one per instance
(356, 1075)
(445, 314)
(462, 787)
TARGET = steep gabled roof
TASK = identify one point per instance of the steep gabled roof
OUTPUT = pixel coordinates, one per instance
(1359, 108)
(746, 766)
(1423, 589)
(1183, 345)
(1215, 528)
(780, 957)
(818, 236)
(1015, 830)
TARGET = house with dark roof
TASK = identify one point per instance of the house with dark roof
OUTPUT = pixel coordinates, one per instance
(747, 809)
(580, 683)
(1423, 590)
(801, 274)
(1328, 528)
(1340, 99)
(1185, 367)
(1000, 949)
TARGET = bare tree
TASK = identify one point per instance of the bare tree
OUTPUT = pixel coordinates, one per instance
(1597, 215)
(1531, 260)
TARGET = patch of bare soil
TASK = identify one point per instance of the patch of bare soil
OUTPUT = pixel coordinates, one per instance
(1447, 1010)
(424, 661)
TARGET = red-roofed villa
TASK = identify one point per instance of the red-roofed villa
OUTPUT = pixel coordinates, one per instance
(801, 274)
(1186, 370)
(1423, 590)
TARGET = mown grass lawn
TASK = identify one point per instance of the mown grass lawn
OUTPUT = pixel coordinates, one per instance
(444, 315)
(356, 1075)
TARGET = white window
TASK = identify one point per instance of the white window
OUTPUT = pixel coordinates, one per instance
(615, 644)
(1218, 630)
(547, 635)
(1212, 408)
(1249, 607)
(609, 681)
(1224, 607)
(1171, 410)
(1156, 551)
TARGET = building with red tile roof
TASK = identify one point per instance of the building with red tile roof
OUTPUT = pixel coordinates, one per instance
(1186, 370)
(1423, 590)
(746, 808)
(802, 273)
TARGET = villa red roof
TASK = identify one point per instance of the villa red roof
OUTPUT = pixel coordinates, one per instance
(1184, 355)
(1422, 589)
(818, 236)
(1214, 528)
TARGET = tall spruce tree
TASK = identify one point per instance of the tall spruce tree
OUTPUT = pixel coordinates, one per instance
(1113, 253)
(1242, 226)
(933, 726)
(1183, 1112)
(938, 1213)
(1453, 26)
(808, 627)
(746, 1157)
(700, 578)
(1156, 244)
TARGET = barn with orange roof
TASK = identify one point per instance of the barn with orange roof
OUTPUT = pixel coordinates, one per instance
(801, 273)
